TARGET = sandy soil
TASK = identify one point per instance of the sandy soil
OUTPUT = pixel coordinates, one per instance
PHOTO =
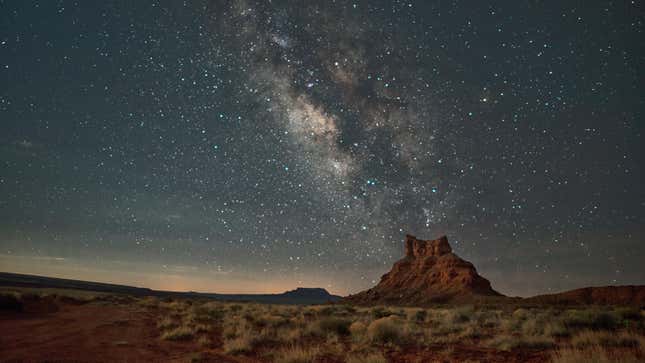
(97, 332)
(104, 331)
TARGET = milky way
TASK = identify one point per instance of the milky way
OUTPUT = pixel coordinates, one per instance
(259, 146)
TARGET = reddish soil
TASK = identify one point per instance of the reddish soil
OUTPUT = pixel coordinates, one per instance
(467, 353)
(96, 332)
(105, 331)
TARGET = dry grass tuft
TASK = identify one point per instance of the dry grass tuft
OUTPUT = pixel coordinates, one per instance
(297, 354)
(593, 319)
(385, 330)
(179, 333)
(332, 325)
(604, 339)
(369, 358)
(592, 355)
(357, 330)
(239, 345)
(509, 342)
(167, 323)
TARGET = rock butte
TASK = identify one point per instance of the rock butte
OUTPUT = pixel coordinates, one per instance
(429, 273)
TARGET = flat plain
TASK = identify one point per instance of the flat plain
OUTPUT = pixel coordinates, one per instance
(68, 325)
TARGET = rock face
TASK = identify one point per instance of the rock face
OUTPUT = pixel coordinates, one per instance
(429, 273)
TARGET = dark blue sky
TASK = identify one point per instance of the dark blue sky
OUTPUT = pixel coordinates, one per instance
(260, 146)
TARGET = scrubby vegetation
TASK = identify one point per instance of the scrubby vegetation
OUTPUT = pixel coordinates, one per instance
(380, 334)
(339, 333)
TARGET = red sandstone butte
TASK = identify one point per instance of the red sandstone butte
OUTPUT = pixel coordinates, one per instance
(429, 273)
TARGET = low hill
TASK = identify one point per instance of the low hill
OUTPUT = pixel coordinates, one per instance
(602, 295)
(301, 295)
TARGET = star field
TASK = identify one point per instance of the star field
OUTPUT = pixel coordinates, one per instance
(237, 146)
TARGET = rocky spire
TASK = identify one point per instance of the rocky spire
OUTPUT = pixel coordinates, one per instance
(420, 248)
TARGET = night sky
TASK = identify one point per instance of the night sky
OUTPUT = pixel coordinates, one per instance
(239, 146)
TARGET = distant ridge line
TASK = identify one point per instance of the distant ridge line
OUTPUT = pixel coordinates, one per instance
(301, 295)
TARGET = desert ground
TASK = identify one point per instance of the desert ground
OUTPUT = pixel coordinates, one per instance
(66, 325)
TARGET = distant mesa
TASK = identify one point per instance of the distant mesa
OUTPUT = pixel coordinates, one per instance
(429, 273)
(309, 292)
(301, 295)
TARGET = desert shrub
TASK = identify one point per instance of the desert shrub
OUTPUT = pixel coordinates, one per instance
(556, 329)
(628, 313)
(336, 310)
(511, 325)
(381, 312)
(385, 330)
(235, 308)
(333, 345)
(174, 305)
(588, 338)
(471, 332)
(592, 355)
(179, 333)
(149, 302)
(590, 319)
(329, 310)
(448, 330)
(204, 341)
(533, 326)
(357, 329)
(11, 301)
(349, 309)
(487, 318)
(508, 342)
(278, 322)
(266, 320)
(240, 344)
(308, 313)
(202, 328)
(251, 318)
(190, 316)
(368, 358)
(229, 331)
(333, 325)
(288, 335)
(420, 316)
(167, 323)
(520, 314)
(210, 311)
(536, 342)
(297, 355)
(199, 357)
(460, 315)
